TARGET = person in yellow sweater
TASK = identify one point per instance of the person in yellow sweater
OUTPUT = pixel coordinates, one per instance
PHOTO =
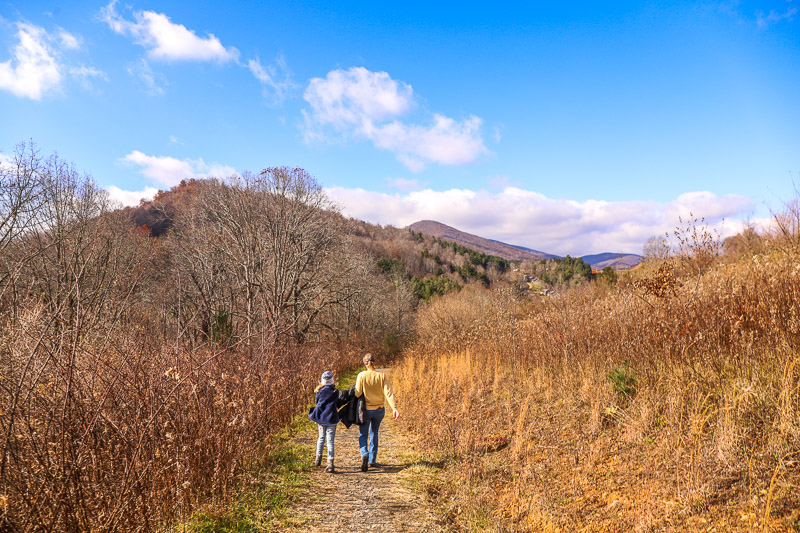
(375, 387)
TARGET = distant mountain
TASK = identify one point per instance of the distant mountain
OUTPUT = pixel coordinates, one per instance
(617, 261)
(487, 246)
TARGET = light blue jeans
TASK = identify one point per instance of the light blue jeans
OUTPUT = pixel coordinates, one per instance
(370, 429)
(328, 431)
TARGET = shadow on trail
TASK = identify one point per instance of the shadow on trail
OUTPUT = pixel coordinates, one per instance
(384, 468)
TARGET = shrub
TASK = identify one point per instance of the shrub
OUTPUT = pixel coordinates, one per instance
(427, 288)
(390, 345)
(623, 379)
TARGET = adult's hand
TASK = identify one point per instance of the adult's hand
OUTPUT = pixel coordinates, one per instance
(395, 414)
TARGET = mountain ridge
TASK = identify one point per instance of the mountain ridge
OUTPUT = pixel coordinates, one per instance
(481, 244)
(512, 252)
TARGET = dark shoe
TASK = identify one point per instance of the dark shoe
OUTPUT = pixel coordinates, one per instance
(318, 460)
(330, 469)
(373, 465)
(364, 463)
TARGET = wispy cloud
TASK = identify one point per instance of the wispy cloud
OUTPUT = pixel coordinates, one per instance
(403, 184)
(169, 171)
(502, 182)
(84, 75)
(154, 83)
(365, 104)
(733, 9)
(164, 39)
(33, 69)
(528, 218)
(774, 17)
(68, 40)
(497, 133)
(276, 78)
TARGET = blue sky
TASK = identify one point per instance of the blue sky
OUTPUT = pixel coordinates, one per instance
(577, 128)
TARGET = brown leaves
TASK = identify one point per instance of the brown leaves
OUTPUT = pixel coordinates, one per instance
(663, 284)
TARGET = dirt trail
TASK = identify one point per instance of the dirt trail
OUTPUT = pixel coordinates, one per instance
(380, 499)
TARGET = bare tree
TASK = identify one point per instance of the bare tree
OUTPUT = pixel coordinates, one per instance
(656, 248)
(278, 243)
(20, 199)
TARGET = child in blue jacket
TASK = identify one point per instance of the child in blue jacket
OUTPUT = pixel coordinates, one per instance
(326, 415)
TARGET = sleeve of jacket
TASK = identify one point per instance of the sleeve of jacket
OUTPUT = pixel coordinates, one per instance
(344, 397)
(346, 411)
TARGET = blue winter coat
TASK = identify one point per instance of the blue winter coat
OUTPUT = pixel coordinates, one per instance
(326, 411)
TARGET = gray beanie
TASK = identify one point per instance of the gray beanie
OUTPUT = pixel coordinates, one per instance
(327, 378)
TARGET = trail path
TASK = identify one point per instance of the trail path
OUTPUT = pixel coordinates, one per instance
(380, 499)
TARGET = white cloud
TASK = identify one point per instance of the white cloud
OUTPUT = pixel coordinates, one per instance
(403, 184)
(774, 17)
(166, 40)
(276, 78)
(367, 105)
(33, 69)
(357, 98)
(530, 219)
(130, 198)
(169, 171)
(447, 141)
(37, 66)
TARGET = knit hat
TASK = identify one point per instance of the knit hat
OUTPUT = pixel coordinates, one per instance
(327, 378)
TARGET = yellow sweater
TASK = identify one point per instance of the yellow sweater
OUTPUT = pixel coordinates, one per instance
(374, 386)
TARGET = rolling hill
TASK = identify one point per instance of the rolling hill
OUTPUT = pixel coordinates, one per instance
(487, 246)
(617, 261)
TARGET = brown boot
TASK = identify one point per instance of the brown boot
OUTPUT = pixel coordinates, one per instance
(318, 460)
(330, 469)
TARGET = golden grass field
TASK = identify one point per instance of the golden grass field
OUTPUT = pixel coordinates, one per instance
(670, 401)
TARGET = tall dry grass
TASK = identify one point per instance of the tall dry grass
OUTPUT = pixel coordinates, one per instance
(127, 435)
(696, 390)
